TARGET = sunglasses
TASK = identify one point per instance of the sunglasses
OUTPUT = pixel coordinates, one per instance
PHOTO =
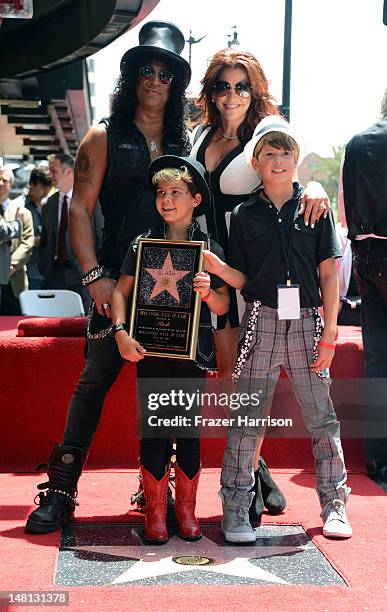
(148, 74)
(223, 88)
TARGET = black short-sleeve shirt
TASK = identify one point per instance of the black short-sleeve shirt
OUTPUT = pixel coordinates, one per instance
(206, 358)
(263, 239)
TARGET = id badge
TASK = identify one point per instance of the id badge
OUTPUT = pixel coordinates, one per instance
(288, 301)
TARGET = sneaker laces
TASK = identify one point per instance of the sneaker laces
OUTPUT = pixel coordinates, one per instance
(240, 517)
(334, 510)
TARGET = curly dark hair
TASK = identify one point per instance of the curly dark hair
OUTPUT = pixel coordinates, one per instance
(125, 102)
(262, 102)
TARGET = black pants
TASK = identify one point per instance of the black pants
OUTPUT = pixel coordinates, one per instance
(9, 303)
(370, 264)
(160, 376)
(102, 366)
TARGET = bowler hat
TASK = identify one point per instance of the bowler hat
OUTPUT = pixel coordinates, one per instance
(164, 40)
(194, 168)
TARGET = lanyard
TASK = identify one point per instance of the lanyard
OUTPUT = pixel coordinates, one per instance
(286, 252)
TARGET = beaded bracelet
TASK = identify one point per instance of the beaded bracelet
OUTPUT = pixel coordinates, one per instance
(92, 275)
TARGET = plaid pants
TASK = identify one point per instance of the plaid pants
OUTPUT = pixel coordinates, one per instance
(276, 343)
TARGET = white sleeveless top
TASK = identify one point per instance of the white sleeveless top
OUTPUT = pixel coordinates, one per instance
(237, 178)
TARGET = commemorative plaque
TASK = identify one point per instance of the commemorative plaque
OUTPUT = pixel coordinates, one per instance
(165, 308)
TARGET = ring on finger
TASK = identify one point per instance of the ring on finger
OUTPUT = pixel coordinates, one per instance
(321, 206)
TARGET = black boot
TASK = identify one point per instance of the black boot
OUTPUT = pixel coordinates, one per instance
(273, 499)
(57, 499)
(256, 507)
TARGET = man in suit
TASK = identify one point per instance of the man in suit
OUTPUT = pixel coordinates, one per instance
(57, 262)
(21, 246)
(8, 230)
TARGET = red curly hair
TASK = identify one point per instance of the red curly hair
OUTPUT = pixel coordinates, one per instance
(262, 102)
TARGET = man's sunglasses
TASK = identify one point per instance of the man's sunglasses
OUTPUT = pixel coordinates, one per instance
(223, 88)
(148, 74)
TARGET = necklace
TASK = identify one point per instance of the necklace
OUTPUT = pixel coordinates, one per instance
(151, 142)
(228, 137)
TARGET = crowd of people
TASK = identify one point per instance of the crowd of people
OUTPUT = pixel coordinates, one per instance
(39, 255)
(232, 183)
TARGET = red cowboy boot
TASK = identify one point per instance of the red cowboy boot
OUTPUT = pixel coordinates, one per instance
(155, 492)
(189, 528)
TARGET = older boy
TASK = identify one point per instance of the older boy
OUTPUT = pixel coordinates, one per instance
(281, 265)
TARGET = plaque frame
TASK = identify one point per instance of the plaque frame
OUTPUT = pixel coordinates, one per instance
(187, 315)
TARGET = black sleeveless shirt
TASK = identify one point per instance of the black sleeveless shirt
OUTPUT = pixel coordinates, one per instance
(127, 199)
(128, 205)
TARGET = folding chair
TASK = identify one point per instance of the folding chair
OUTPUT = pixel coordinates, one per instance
(51, 303)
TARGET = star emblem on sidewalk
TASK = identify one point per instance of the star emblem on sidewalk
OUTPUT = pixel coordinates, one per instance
(155, 561)
(166, 278)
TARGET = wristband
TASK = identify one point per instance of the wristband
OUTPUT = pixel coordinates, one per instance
(206, 297)
(327, 345)
(92, 275)
(119, 326)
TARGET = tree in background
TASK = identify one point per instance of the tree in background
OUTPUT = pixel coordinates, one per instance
(326, 170)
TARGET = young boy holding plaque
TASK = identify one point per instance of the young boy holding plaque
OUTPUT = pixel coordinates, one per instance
(181, 194)
(284, 268)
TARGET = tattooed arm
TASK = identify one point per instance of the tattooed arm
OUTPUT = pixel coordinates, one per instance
(89, 171)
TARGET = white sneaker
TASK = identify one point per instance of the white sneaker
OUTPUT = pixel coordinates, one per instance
(336, 524)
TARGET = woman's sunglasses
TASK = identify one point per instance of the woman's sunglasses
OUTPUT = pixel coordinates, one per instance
(223, 88)
(148, 74)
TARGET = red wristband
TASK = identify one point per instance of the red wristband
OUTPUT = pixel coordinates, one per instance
(327, 345)
(206, 297)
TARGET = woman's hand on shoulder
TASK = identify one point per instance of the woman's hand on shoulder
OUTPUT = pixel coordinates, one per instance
(314, 203)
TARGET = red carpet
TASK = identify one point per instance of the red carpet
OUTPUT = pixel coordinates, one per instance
(28, 562)
(45, 370)
(37, 378)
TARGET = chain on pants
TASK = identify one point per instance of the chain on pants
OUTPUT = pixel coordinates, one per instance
(289, 344)
(102, 366)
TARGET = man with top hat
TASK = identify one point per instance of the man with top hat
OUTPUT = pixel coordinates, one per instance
(147, 121)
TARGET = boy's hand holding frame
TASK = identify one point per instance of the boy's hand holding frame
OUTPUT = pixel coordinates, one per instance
(129, 348)
(202, 284)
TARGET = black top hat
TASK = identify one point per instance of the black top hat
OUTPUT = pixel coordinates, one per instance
(164, 40)
(194, 168)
